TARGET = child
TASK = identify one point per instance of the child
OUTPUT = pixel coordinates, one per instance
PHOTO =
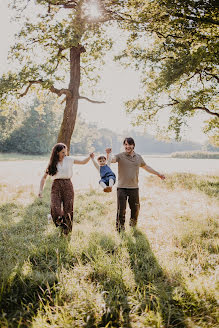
(108, 178)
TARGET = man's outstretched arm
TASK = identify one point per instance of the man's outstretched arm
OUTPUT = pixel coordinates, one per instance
(150, 170)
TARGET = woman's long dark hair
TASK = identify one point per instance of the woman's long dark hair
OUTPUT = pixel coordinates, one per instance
(54, 158)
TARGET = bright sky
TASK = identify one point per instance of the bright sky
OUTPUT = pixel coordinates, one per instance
(118, 84)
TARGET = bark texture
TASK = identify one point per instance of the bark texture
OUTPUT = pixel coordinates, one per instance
(71, 107)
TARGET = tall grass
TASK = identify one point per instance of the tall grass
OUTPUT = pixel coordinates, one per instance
(161, 274)
(206, 184)
(195, 154)
(21, 157)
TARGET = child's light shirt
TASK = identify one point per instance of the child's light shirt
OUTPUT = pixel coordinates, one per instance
(107, 163)
(64, 169)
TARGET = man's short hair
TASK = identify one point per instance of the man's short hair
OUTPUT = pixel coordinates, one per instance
(101, 157)
(129, 140)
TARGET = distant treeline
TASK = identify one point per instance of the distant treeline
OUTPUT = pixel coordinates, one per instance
(34, 130)
(196, 154)
(145, 143)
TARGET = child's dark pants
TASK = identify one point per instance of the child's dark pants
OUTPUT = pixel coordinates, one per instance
(132, 194)
(62, 194)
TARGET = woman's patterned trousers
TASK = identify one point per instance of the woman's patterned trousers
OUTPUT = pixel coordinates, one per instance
(62, 200)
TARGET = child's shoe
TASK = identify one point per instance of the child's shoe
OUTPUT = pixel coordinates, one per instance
(107, 189)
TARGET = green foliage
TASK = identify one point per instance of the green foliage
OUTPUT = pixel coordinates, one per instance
(11, 117)
(42, 49)
(212, 128)
(37, 132)
(83, 136)
(175, 45)
(59, 43)
(34, 131)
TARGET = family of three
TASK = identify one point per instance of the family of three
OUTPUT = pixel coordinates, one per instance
(60, 169)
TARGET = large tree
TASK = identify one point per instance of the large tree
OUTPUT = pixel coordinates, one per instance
(175, 45)
(56, 39)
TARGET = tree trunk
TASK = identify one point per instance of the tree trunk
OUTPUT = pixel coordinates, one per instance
(71, 107)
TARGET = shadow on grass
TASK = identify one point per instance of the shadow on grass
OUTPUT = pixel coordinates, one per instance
(153, 294)
(101, 253)
(154, 288)
(30, 257)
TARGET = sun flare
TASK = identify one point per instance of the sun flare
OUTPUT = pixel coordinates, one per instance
(92, 10)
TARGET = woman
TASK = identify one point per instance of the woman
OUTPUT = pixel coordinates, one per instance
(62, 192)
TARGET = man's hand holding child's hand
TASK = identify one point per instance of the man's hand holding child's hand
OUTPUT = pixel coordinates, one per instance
(108, 150)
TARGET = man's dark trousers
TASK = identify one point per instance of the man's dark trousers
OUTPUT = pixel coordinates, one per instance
(132, 194)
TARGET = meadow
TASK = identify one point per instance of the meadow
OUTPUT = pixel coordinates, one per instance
(195, 154)
(161, 274)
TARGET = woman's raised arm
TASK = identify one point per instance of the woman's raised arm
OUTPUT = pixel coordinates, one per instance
(84, 161)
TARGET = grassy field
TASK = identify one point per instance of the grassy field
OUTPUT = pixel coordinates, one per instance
(195, 154)
(162, 274)
(21, 157)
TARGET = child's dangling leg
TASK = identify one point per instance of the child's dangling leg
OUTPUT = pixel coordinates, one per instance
(111, 182)
(103, 185)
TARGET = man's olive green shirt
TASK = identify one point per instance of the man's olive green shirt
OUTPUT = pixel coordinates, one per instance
(128, 169)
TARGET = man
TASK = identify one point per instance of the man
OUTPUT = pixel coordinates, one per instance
(128, 171)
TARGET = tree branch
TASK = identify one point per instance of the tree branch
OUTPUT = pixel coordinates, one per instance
(175, 102)
(198, 19)
(206, 110)
(25, 6)
(92, 101)
(59, 92)
(212, 75)
(62, 102)
(28, 87)
(189, 78)
(69, 6)
(64, 4)
(166, 36)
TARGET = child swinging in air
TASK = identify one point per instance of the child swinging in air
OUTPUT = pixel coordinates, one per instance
(108, 178)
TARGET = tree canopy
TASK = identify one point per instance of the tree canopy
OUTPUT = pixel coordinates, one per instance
(61, 44)
(31, 129)
(179, 62)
